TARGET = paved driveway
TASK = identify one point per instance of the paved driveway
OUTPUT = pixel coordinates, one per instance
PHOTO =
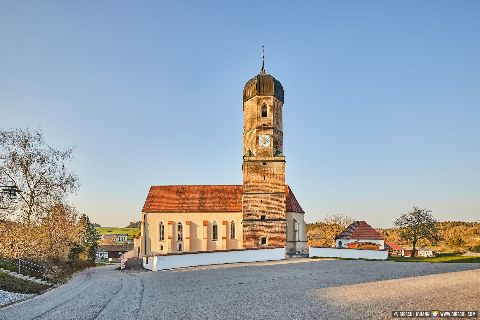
(309, 289)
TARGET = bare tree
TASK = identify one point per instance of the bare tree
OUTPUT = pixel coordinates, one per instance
(37, 170)
(339, 219)
(417, 224)
(323, 233)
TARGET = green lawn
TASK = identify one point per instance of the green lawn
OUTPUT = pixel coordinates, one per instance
(444, 258)
(8, 266)
(131, 232)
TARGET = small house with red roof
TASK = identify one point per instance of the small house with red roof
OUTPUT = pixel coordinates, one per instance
(360, 235)
(393, 248)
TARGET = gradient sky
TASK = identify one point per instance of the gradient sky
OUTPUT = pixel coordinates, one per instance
(382, 98)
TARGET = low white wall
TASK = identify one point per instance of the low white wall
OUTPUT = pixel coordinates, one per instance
(156, 263)
(348, 253)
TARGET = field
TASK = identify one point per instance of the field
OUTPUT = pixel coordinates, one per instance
(131, 232)
(445, 258)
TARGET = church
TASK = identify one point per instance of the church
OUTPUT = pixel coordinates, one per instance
(260, 213)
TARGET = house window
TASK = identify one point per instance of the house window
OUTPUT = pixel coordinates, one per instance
(214, 231)
(262, 217)
(263, 241)
(232, 230)
(161, 231)
(180, 247)
(161, 247)
(339, 244)
(264, 111)
(179, 232)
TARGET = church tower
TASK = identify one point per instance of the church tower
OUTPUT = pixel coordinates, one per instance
(263, 201)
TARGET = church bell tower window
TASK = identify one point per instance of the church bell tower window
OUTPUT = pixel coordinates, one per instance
(263, 241)
(264, 111)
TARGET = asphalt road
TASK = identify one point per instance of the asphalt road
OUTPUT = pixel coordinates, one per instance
(312, 289)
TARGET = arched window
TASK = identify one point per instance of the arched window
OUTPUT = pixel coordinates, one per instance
(339, 244)
(180, 246)
(232, 230)
(264, 111)
(214, 231)
(179, 231)
(161, 231)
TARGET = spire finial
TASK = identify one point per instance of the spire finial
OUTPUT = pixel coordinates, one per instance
(263, 60)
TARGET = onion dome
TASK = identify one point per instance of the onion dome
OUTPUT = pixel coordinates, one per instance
(263, 84)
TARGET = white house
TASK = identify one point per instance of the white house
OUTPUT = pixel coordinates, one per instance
(122, 238)
(114, 237)
(360, 235)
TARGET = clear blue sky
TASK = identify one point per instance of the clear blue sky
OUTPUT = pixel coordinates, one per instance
(382, 98)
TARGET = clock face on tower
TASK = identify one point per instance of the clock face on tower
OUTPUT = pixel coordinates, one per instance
(264, 140)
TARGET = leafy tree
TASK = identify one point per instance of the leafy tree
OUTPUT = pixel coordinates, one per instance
(39, 171)
(74, 253)
(58, 228)
(456, 241)
(417, 224)
(134, 224)
(89, 236)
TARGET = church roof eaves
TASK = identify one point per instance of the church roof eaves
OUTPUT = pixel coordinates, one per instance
(204, 198)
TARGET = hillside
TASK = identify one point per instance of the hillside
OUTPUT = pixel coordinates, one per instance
(452, 235)
(130, 232)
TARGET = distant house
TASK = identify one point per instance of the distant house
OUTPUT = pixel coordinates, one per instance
(112, 251)
(113, 238)
(420, 252)
(393, 248)
(360, 235)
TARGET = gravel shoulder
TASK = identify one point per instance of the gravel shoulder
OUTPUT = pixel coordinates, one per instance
(7, 298)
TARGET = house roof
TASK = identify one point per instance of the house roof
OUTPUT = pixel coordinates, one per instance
(113, 247)
(204, 198)
(393, 246)
(359, 230)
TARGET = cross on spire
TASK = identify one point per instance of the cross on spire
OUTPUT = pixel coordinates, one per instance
(263, 60)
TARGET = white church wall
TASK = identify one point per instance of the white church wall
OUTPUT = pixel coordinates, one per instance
(164, 262)
(196, 236)
(348, 253)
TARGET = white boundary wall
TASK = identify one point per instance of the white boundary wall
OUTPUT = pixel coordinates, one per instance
(164, 262)
(348, 253)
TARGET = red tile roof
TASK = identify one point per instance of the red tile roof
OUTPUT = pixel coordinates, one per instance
(204, 198)
(393, 246)
(114, 247)
(292, 204)
(360, 230)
